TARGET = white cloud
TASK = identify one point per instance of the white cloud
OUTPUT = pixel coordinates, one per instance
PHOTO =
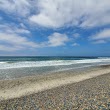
(104, 34)
(99, 42)
(12, 29)
(55, 13)
(13, 42)
(24, 31)
(101, 37)
(76, 35)
(22, 25)
(16, 40)
(19, 7)
(9, 48)
(11, 39)
(59, 13)
(57, 39)
(75, 44)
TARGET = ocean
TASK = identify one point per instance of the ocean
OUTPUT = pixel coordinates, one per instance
(15, 67)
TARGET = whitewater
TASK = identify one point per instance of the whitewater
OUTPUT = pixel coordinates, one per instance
(14, 67)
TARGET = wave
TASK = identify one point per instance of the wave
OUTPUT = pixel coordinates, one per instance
(103, 57)
(2, 62)
(22, 64)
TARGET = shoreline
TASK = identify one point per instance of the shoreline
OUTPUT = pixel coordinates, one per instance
(35, 84)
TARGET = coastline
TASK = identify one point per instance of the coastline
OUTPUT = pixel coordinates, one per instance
(31, 85)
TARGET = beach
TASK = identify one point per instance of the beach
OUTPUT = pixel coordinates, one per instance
(54, 55)
(87, 89)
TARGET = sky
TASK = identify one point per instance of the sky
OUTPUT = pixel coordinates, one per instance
(54, 28)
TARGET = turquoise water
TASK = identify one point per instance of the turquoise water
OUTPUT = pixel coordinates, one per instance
(14, 67)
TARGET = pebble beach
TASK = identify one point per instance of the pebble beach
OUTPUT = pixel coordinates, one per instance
(54, 55)
(89, 94)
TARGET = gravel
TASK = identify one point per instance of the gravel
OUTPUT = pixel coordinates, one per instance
(91, 94)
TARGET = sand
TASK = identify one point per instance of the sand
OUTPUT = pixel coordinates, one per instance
(25, 86)
(93, 93)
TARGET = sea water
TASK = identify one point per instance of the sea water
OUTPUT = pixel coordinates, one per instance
(15, 67)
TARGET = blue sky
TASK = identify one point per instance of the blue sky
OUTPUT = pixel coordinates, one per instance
(55, 27)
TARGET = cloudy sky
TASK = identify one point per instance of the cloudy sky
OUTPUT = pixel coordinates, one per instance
(55, 27)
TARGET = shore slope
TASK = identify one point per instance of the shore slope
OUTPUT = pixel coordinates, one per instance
(20, 87)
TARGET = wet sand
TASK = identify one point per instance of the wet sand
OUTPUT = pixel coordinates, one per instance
(58, 92)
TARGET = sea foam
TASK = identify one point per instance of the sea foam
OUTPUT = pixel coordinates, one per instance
(22, 64)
